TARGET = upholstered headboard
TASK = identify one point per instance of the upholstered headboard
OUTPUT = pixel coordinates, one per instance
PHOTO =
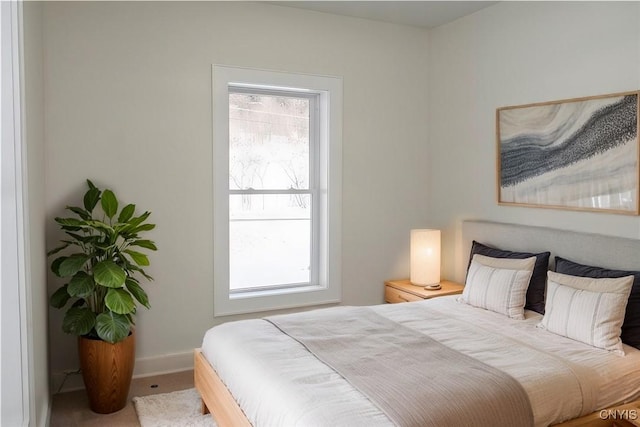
(585, 248)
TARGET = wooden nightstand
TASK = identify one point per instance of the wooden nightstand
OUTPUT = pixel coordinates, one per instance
(403, 291)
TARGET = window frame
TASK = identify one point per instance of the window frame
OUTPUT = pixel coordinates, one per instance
(326, 284)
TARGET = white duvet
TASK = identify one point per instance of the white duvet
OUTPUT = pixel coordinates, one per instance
(277, 382)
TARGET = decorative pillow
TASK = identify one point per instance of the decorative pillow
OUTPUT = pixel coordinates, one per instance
(537, 284)
(587, 310)
(498, 284)
(631, 325)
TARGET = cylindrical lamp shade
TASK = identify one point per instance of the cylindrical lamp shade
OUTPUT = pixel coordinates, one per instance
(425, 257)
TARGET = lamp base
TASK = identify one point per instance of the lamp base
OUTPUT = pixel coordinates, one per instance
(428, 287)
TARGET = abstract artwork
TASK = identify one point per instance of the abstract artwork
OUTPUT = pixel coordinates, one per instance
(579, 154)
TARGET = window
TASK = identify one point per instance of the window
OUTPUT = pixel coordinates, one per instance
(277, 179)
(272, 189)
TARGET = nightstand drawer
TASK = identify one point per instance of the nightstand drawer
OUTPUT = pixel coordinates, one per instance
(392, 295)
(403, 291)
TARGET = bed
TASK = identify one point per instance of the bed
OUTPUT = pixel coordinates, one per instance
(275, 372)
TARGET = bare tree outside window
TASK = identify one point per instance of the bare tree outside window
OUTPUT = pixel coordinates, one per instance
(269, 158)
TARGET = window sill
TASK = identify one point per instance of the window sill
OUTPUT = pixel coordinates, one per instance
(275, 299)
(259, 293)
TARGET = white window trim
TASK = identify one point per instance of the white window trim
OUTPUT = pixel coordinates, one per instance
(329, 289)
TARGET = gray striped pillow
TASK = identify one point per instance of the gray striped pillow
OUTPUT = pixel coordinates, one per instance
(498, 284)
(586, 309)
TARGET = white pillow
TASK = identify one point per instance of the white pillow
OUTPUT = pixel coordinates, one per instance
(498, 284)
(586, 309)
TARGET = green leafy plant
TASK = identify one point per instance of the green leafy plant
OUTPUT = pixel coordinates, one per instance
(102, 267)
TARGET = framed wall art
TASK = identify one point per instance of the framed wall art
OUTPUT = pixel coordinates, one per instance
(579, 154)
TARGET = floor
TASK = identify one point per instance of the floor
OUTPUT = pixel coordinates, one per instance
(71, 409)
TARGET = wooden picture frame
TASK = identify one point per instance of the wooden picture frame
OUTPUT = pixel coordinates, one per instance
(577, 154)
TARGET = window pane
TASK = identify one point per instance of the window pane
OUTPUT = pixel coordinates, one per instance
(269, 239)
(268, 142)
(269, 206)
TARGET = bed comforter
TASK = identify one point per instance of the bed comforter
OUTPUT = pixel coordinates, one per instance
(279, 382)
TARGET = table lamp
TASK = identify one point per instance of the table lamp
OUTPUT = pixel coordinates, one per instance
(425, 258)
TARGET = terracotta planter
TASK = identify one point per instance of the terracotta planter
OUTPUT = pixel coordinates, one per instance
(107, 370)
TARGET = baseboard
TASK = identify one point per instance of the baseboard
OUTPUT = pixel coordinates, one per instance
(63, 381)
(165, 364)
(145, 367)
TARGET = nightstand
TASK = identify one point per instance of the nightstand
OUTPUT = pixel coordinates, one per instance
(403, 291)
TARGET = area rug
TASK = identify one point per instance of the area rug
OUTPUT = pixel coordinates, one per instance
(176, 409)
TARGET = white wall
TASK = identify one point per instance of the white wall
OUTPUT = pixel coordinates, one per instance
(128, 104)
(510, 54)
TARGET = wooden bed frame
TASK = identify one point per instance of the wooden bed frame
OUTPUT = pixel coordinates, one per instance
(216, 397)
(611, 252)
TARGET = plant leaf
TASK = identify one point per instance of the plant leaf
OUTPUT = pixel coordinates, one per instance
(90, 184)
(138, 257)
(79, 303)
(60, 297)
(148, 244)
(83, 239)
(112, 327)
(69, 221)
(107, 273)
(55, 265)
(130, 318)
(104, 246)
(80, 212)
(109, 203)
(139, 219)
(91, 197)
(78, 237)
(119, 301)
(72, 264)
(100, 227)
(126, 213)
(134, 267)
(143, 227)
(138, 293)
(72, 224)
(58, 249)
(81, 285)
(78, 321)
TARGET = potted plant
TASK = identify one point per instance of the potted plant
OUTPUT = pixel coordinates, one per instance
(103, 267)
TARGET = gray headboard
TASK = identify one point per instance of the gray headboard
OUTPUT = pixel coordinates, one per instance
(586, 248)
